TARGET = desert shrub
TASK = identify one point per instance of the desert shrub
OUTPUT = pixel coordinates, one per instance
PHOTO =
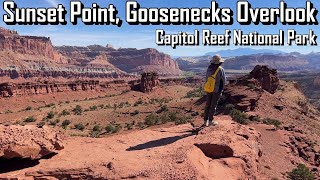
(50, 105)
(95, 134)
(8, 112)
(50, 115)
(93, 108)
(151, 120)
(97, 128)
(164, 108)
(182, 120)
(141, 125)
(67, 102)
(255, 118)
(198, 92)
(117, 128)
(41, 124)
(113, 128)
(251, 86)
(65, 123)
(129, 126)
(301, 173)
(29, 108)
(79, 126)
(139, 102)
(136, 112)
(65, 113)
(54, 122)
(77, 110)
(30, 119)
(270, 121)
(109, 128)
(239, 116)
(228, 108)
(108, 106)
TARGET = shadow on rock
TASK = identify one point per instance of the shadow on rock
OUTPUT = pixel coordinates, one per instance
(15, 164)
(158, 143)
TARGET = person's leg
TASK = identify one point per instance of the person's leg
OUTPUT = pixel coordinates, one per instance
(208, 106)
(213, 106)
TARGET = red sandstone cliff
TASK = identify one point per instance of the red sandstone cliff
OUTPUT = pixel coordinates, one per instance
(128, 59)
(31, 45)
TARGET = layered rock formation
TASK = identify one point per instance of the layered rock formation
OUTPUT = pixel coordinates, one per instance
(127, 59)
(149, 81)
(28, 142)
(34, 57)
(31, 45)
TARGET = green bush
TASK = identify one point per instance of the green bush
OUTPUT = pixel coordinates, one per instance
(97, 128)
(139, 102)
(151, 120)
(239, 116)
(136, 112)
(251, 86)
(182, 120)
(301, 173)
(164, 108)
(65, 113)
(79, 127)
(270, 121)
(93, 108)
(198, 92)
(113, 128)
(54, 122)
(50, 115)
(109, 128)
(29, 108)
(30, 119)
(255, 118)
(66, 123)
(228, 108)
(77, 110)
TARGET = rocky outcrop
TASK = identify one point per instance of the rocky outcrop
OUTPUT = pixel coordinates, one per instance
(31, 45)
(28, 142)
(244, 92)
(49, 87)
(166, 153)
(267, 78)
(149, 81)
(127, 59)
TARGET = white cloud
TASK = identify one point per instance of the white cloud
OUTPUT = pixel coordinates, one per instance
(52, 2)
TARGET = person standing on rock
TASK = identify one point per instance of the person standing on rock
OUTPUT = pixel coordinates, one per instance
(215, 83)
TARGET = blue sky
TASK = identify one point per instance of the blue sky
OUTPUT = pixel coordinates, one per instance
(140, 36)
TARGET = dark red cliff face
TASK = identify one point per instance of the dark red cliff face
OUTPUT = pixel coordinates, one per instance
(31, 45)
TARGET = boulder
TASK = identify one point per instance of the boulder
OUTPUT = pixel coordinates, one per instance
(28, 142)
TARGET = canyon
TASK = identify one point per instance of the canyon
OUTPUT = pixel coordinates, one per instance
(33, 57)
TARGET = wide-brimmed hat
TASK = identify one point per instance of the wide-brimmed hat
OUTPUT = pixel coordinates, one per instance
(217, 59)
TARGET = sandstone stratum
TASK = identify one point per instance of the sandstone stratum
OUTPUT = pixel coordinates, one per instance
(33, 57)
